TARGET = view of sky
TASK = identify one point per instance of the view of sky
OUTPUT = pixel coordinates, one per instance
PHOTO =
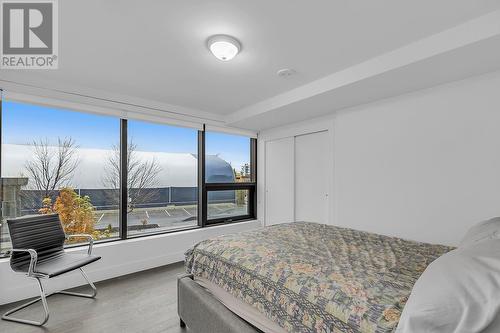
(23, 123)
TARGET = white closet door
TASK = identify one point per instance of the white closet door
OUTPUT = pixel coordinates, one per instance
(279, 180)
(311, 177)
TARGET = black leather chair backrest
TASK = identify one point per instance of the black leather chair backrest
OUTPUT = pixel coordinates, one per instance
(42, 233)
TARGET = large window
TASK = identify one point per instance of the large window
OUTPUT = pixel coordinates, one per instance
(230, 177)
(116, 178)
(162, 177)
(55, 161)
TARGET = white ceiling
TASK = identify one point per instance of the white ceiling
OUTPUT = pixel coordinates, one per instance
(155, 50)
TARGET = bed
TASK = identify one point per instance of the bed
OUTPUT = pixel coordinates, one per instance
(301, 277)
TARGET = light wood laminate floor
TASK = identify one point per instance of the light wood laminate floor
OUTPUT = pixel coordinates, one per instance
(140, 302)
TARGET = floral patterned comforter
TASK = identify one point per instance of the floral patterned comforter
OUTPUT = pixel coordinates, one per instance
(310, 277)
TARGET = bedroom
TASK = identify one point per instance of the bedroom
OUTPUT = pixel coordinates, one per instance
(324, 166)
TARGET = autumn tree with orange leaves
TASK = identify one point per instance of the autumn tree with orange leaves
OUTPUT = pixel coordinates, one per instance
(75, 212)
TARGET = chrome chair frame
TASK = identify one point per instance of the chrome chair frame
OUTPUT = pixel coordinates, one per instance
(43, 296)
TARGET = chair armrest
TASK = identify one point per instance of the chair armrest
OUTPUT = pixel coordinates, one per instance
(89, 238)
(34, 258)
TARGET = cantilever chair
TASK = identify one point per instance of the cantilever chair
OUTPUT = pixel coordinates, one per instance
(38, 253)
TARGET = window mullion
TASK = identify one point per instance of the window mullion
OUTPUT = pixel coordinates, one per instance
(123, 178)
(253, 175)
(202, 191)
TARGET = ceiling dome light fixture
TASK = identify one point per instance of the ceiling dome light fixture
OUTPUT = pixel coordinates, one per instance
(224, 47)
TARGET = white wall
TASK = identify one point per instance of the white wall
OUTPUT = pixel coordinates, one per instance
(423, 166)
(118, 258)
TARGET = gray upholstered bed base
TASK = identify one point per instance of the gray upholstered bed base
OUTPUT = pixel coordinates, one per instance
(202, 313)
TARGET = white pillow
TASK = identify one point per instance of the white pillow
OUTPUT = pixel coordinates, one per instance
(486, 230)
(458, 292)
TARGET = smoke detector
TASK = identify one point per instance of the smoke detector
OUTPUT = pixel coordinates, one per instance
(286, 73)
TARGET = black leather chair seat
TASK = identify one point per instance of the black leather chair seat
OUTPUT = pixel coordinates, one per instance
(61, 263)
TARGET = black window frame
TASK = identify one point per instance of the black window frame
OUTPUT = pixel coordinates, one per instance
(203, 188)
(250, 186)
